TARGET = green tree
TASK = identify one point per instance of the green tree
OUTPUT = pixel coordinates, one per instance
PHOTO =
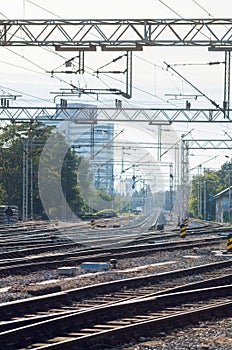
(203, 188)
(13, 138)
(224, 173)
(27, 141)
(60, 178)
(70, 182)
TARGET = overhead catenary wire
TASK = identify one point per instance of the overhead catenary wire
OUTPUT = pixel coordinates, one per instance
(31, 62)
(63, 80)
(91, 71)
(197, 3)
(206, 11)
(136, 88)
(43, 8)
(54, 76)
(163, 3)
(171, 9)
(186, 80)
(205, 162)
(198, 64)
(24, 93)
(162, 69)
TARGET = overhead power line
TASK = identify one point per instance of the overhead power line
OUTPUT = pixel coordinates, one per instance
(163, 3)
(197, 3)
(198, 64)
(42, 8)
(186, 80)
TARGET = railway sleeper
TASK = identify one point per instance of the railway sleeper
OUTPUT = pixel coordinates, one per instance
(64, 326)
(33, 306)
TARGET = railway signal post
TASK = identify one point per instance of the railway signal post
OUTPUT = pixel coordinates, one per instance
(182, 230)
(229, 243)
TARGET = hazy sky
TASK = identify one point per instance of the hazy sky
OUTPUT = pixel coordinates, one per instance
(25, 71)
(115, 9)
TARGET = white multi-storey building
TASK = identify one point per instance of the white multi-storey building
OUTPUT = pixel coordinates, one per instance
(95, 143)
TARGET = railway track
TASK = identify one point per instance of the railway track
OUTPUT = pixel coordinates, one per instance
(17, 248)
(32, 235)
(39, 310)
(115, 324)
(20, 313)
(26, 237)
(33, 263)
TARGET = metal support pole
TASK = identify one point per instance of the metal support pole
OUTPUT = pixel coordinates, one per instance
(81, 62)
(226, 102)
(31, 178)
(171, 188)
(92, 142)
(25, 181)
(204, 195)
(184, 178)
(199, 192)
(129, 74)
(159, 142)
(229, 198)
(24, 185)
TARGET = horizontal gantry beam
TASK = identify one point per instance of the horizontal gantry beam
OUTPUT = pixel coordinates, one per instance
(190, 144)
(113, 34)
(209, 144)
(152, 116)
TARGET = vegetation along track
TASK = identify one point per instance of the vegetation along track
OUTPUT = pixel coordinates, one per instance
(111, 325)
(32, 310)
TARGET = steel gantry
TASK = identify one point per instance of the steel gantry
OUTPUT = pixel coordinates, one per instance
(209, 144)
(124, 35)
(153, 116)
(113, 34)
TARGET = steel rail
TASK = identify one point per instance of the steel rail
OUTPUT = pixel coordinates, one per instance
(24, 265)
(113, 324)
(31, 246)
(38, 305)
(20, 308)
